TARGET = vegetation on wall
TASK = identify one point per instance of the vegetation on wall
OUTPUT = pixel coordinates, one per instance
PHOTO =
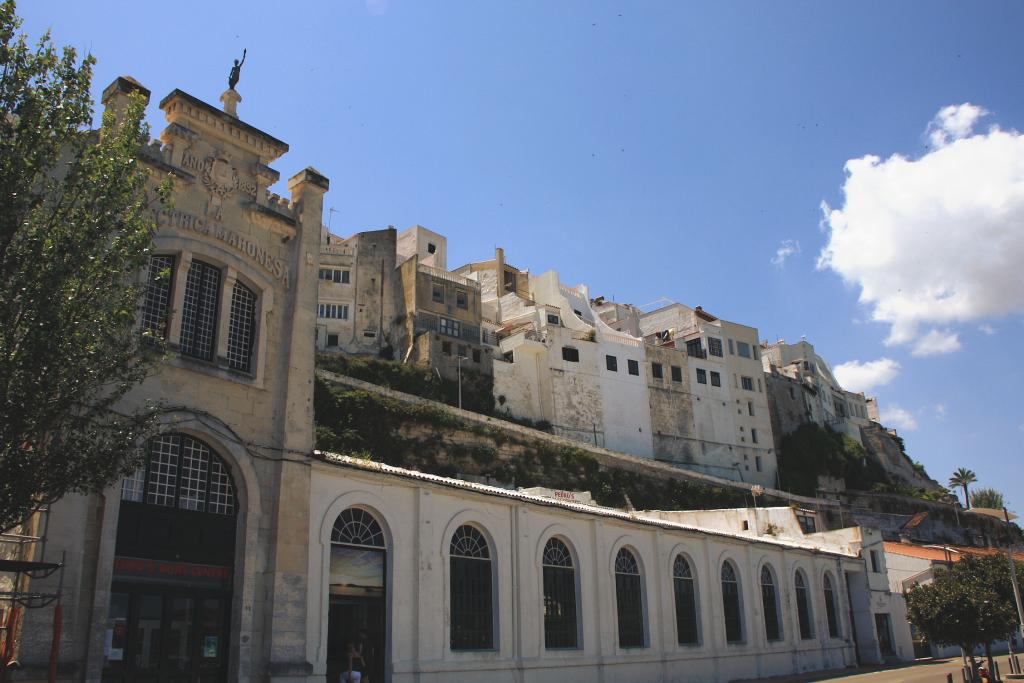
(430, 439)
(425, 382)
(812, 451)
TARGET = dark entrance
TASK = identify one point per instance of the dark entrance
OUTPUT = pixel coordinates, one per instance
(884, 627)
(169, 617)
(357, 596)
(171, 636)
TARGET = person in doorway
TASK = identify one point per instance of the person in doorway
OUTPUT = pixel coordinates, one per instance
(366, 652)
(353, 672)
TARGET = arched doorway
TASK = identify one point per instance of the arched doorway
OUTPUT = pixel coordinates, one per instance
(356, 590)
(170, 597)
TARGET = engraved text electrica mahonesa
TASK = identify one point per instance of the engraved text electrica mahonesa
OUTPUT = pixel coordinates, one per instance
(249, 247)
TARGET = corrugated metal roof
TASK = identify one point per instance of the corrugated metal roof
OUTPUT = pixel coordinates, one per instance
(940, 554)
(634, 517)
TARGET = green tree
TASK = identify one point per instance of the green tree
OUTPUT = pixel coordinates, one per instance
(73, 237)
(970, 605)
(812, 450)
(962, 477)
(987, 498)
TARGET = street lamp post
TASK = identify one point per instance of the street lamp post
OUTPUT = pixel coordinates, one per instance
(460, 359)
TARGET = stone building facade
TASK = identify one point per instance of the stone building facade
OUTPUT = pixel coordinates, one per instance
(193, 567)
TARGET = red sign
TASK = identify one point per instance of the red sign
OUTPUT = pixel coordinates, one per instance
(181, 573)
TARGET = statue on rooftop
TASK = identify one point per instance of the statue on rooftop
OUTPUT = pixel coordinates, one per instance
(236, 70)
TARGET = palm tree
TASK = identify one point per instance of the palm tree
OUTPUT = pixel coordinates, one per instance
(962, 477)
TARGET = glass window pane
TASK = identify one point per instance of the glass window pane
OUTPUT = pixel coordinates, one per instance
(199, 310)
(179, 631)
(148, 631)
(117, 630)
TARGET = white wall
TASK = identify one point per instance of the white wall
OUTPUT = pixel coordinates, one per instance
(419, 518)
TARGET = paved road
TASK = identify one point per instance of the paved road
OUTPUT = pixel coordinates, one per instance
(925, 672)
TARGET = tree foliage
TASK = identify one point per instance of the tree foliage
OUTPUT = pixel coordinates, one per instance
(962, 478)
(73, 236)
(986, 498)
(970, 605)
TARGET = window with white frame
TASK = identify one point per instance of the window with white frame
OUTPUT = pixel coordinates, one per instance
(335, 275)
(449, 327)
(332, 311)
(183, 472)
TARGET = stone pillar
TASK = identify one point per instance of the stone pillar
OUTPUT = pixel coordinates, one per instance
(115, 96)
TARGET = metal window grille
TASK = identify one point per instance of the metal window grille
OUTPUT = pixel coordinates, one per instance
(686, 602)
(770, 602)
(241, 327)
(731, 604)
(163, 470)
(715, 346)
(452, 328)
(803, 606)
(629, 600)
(157, 300)
(192, 483)
(358, 527)
(199, 310)
(472, 621)
(830, 608)
(133, 487)
(221, 499)
(560, 629)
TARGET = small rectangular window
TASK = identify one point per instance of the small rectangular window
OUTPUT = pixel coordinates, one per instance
(446, 348)
(344, 277)
(463, 351)
(716, 379)
(633, 367)
(874, 562)
(437, 293)
(759, 387)
(702, 376)
(747, 383)
(553, 319)
(750, 407)
(731, 352)
(715, 346)
(656, 371)
(677, 373)
(612, 363)
(757, 458)
(695, 349)
(743, 349)
(753, 437)
(332, 340)
(449, 327)
(461, 299)
(570, 354)
(476, 355)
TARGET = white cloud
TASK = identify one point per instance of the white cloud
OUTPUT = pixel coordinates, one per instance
(940, 411)
(987, 329)
(786, 249)
(936, 342)
(953, 123)
(857, 376)
(897, 417)
(938, 240)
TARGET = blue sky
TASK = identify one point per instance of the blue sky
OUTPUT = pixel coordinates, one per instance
(657, 149)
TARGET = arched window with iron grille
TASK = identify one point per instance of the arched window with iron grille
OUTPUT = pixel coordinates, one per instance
(831, 612)
(803, 605)
(685, 589)
(560, 611)
(471, 595)
(629, 600)
(770, 603)
(731, 606)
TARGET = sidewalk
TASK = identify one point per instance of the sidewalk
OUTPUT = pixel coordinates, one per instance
(831, 674)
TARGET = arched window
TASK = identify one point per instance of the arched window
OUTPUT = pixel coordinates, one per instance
(733, 613)
(357, 527)
(686, 602)
(770, 602)
(560, 616)
(830, 608)
(472, 620)
(803, 605)
(241, 328)
(629, 600)
(182, 472)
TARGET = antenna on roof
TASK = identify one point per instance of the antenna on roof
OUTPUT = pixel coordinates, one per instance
(330, 216)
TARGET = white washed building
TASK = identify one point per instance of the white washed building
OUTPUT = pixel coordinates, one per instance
(470, 583)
